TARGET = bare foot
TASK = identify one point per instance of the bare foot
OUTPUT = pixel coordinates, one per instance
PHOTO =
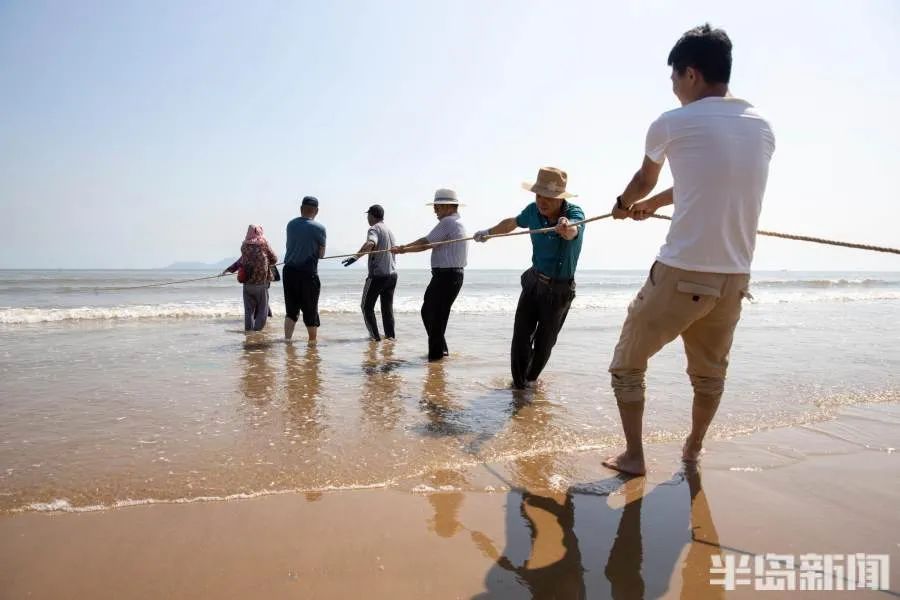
(627, 463)
(691, 451)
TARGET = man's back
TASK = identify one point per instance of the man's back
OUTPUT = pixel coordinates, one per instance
(719, 150)
(304, 239)
(383, 263)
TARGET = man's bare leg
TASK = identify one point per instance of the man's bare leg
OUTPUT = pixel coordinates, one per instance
(631, 461)
(289, 325)
(312, 332)
(702, 414)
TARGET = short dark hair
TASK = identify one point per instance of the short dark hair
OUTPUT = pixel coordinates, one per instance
(706, 49)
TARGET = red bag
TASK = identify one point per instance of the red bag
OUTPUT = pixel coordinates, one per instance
(242, 275)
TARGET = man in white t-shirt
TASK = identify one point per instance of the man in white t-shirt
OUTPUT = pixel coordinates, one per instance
(718, 149)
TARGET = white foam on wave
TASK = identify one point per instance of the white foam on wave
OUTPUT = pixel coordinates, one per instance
(428, 489)
(474, 304)
(824, 283)
(64, 505)
(126, 312)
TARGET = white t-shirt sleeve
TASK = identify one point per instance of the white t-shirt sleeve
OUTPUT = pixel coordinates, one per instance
(657, 140)
(372, 235)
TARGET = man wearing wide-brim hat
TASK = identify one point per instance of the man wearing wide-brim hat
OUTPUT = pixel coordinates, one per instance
(447, 263)
(548, 287)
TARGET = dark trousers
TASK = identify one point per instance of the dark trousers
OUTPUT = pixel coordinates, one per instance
(542, 310)
(301, 294)
(379, 287)
(440, 294)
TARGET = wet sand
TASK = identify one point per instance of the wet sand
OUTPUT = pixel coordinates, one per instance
(558, 525)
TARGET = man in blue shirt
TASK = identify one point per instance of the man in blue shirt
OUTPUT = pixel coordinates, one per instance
(305, 246)
(548, 287)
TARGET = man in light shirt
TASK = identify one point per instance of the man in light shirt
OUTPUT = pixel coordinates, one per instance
(719, 148)
(382, 279)
(447, 264)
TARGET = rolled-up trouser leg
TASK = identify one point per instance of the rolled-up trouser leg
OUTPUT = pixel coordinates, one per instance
(628, 386)
(661, 311)
(707, 390)
(707, 342)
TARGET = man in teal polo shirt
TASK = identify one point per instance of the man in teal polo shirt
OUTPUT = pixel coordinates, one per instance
(548, 287)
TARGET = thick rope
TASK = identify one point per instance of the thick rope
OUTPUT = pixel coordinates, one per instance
(804, 238)
(466, 239)
(787, 236)
(148, 285)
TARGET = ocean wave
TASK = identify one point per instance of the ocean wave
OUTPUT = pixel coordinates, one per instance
(824, 283)
(474, 304)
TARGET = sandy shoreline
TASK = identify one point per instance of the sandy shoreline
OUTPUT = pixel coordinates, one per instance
(554, 524)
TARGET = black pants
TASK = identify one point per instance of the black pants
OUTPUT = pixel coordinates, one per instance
(439, 297)
(301, 293)
(379, 287)
(542, 310)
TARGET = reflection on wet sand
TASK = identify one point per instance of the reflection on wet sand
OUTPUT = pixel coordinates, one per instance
(623, 568)
(303, 389)
(703, 546)
(380, 400)
(563, 545)
(542, 551)
(257, 374)
(446, 504)
(440, 405)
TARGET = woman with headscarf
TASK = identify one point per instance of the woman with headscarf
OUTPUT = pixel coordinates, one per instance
(256, 261)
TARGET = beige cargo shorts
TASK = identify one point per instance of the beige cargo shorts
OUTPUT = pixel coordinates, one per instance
(703, 308)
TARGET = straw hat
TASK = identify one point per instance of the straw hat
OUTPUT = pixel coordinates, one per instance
(445, 196)
(551, 183)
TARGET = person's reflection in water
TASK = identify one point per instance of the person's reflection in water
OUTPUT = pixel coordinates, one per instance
(678, 515)
(257, 375)
(549, 562)
(440, 404)
(555, 565)
(380, 398)
(447, 503)
(552, 567)
(695, 574)
(303, 387)
(623, 569)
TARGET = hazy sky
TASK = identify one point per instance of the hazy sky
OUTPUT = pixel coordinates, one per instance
(135, 134)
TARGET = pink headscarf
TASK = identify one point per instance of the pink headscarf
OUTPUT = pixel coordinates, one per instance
(255, 235)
